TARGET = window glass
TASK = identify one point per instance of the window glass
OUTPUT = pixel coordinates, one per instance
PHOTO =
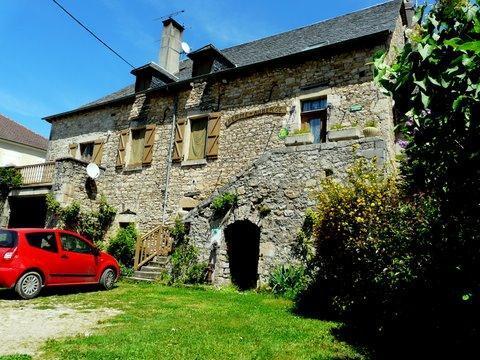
(137, 146)
(8, 239)
(42, 240)
(317, 104)
(198, 139)
(74, 244)
(86, 151)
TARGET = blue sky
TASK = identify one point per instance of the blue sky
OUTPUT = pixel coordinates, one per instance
(48, 64)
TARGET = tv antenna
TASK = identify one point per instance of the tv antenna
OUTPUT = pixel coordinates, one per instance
(171, 15)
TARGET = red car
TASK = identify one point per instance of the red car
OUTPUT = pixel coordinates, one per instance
(33, 258)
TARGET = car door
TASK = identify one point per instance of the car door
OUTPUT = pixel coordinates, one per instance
(78, 259)
(43, 253)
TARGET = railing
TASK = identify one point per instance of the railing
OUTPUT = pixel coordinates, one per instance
(157, 242)
(37, 174)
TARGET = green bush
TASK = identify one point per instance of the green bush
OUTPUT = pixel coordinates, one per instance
(92, 224)
(186, 268)
(9, 178)
(289, 281)
(222, 203)
(122, 245)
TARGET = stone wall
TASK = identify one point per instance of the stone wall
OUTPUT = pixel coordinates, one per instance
(284, 181)
(141, 190)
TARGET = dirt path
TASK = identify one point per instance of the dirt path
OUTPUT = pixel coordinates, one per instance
(25, 326)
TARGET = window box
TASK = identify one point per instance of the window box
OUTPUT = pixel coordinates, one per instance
(299, 139)
(344, 134)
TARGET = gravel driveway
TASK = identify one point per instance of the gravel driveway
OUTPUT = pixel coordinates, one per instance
(25, 325)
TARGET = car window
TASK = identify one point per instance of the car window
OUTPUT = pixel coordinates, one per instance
(8, 239)
(74, 244)
(42, 240)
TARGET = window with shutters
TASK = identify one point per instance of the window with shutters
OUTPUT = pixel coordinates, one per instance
(201, 139)
(135, 146)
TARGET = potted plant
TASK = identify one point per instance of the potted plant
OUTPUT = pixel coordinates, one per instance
(299, 137)
(371, 129)
(339, 132)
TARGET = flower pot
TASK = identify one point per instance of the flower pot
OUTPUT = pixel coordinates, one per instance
(371, 131)
(344, 134)
(299, 139)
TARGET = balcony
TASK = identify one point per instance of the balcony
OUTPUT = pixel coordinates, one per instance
(38, 174)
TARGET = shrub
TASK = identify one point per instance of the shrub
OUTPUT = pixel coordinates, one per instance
(288, 281)
(9, 178)
(222, 203)
(178, 232)
(92, 224)
(186, 268)
(122, 245)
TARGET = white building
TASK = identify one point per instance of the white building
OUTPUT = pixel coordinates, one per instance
(20, 146)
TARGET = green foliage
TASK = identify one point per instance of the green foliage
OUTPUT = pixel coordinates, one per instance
(178, 232)
(122, 245)
(435, 82)
(92, 224)
(186, 267)
(222, 203)
(371, 123)
(9, 178)
(289, 281)
(338, 126)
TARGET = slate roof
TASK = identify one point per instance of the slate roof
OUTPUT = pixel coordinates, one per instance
(12, 131)
(369, 21)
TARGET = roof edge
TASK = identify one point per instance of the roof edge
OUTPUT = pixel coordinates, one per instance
(371, 36)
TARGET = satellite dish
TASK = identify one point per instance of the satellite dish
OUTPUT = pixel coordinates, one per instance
(93, 171)
(186, 48)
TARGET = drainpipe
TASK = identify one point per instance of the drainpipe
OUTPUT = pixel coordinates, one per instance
(169, 158)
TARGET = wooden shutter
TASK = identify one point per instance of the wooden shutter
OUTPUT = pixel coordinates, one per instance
(73, 149)
(149, 142)
(97, 152)
(122, 146)
(178, 144)
(213, 133)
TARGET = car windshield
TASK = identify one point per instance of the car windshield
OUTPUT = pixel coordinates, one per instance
(8, 239)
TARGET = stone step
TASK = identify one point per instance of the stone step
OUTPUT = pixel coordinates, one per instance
(160, 260)
(157, 264)
(148, 274)
(151, 268)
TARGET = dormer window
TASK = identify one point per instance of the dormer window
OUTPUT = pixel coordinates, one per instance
(150, 76)
(209, 59)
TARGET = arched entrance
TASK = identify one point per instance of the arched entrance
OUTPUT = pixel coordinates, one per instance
(243, 248)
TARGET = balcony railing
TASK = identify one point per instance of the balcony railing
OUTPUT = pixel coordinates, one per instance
(37, 174)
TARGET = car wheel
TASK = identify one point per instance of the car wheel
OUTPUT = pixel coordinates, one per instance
(108, 279)
(29, 285)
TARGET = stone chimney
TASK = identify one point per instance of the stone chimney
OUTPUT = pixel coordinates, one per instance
(169, 56)
(409, 11)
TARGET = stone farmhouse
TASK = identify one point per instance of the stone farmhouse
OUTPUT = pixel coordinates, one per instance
(265, 120)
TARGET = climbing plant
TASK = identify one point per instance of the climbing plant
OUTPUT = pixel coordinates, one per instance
(92, 224)
(9, 178)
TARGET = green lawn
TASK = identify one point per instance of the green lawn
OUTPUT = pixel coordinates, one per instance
(161, 322)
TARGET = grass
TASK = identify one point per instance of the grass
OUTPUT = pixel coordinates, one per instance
(161, 322)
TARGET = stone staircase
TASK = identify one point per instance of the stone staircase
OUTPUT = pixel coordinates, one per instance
(151, 271)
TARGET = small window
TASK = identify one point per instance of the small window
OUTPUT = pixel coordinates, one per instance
(86, 151)
(198, 138)
(314, 118)
(73, 244)
(44, 241)
(136, 147)
(8, 239)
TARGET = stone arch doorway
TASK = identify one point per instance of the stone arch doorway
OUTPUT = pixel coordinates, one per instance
(243, 249)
